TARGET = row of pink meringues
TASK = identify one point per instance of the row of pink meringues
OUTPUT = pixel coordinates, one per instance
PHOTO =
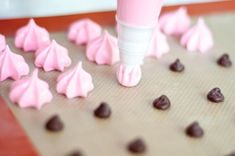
(102, 48)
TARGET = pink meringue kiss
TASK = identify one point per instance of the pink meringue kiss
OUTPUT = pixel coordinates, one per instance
(159, 45)
(129, 76)
(198, 38)
(52, 57)
(12, 65)
(2, 42)
(175, 23)
(31, 37)
(103, 50)
(83, 31)
(30, 92)
(75, 83)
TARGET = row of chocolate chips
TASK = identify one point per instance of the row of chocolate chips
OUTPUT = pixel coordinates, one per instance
(223, 61)
(138, 145)
(163, 102)
(103, 111)
(55, 124)
(193, 130)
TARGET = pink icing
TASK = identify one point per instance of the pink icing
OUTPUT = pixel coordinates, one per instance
(83, 31)
(198, 38)
(31, 37)
(2, 42)
(159, 45)
(12, 65)
(103, 50)
(52, 57)
(129, 76)
(75, 83)
(30, 92)
(175, 23)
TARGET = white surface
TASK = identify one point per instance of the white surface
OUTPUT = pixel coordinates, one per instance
(38, 8)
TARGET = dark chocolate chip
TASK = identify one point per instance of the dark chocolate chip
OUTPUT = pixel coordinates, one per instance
(137, 146)
(103, 111)
(162, 103)
(215, 95)
(54, 124)
(194, 130)
(177, 66)
(231, 154)
(76, 153)
(224, 61)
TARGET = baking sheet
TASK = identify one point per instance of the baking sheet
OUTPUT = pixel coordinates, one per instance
(132, 112)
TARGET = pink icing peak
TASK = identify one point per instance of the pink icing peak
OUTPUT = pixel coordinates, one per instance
(83, 31)
(2, 42)
(182, 10)
(52, 57)
(103, 50)
(159, 45)
(76, 82)
(12, 65)
(35, 74)
(198, 38)
(32, 23)
(30, 92)
(79, 65)
(176, 22)
(78, 68)
(129, 76)
(201, 22)
(31, 37)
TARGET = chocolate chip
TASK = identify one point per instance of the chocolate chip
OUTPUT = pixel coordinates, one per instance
(231, 154)
(103, 111)
(137, 146)
(54, 124)
(215, 95)
(177, 66)
(224, 61)
(194, 130)
(162, 103)
(76, 153)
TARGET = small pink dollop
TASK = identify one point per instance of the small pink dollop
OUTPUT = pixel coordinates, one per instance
(75, 83)
(129, 76)
(31, 37)
(176, 22)
(52, 57)
(12, 65)
(84, 31)
(159, 45)
(30, 92)
(198, 38)
(2, 42)
(103, 50)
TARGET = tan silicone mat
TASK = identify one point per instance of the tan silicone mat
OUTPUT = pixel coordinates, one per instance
(133, 115)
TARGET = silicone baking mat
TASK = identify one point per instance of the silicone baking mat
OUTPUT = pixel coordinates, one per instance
(132, 112)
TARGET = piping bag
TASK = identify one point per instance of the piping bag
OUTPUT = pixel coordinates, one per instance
(136, 21)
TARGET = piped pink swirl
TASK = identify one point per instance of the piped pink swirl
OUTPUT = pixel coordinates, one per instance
(31, 37)
(76, 82)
